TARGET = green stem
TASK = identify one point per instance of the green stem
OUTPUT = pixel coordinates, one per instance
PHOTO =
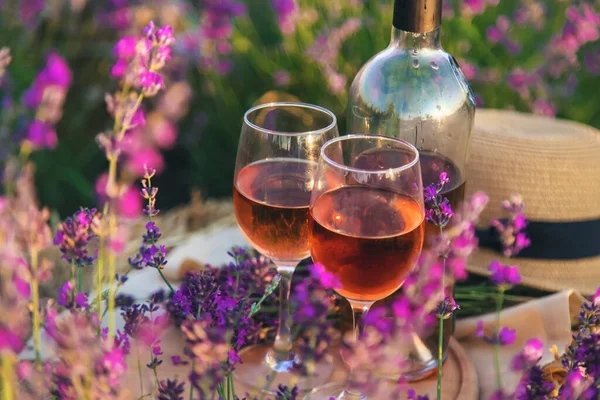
(100, 277)
(112, 267)
(79, 279)
(139, 365)
(441, 331)
(440, 357)
(8, 376)
(166, 280)
(499, 303)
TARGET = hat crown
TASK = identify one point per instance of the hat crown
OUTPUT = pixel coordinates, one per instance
(554, 164)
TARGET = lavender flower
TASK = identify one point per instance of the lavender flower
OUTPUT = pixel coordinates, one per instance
(438, 210)
(171, 390)
(287, 11)
(74, 234)
(325, 52)
(512, 234)
(86, 366)
(504, 276)
(285, 393)
(504, 337)
(529, 356)
(312, 302)
(208, 348)
(446, 308)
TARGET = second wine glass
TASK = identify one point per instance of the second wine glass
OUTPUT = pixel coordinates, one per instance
(276, 161)
(366, 225)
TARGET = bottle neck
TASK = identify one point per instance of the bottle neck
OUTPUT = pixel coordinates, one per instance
(411, 40)
(417, 16)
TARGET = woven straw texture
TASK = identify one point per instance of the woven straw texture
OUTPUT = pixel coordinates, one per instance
(555, 166)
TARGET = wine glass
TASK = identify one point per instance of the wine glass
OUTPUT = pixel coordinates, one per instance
(276, 161)
(366, 224)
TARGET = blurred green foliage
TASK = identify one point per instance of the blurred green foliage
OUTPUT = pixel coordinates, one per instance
(205, 154)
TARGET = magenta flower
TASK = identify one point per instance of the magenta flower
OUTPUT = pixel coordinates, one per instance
(139, 160)
(151, 82)
(504, 275)
(507, 336)
(41, 135)
(325, 278)
(286, 11)
(281, 78)
(543, 107)
(10, 341)
(530, 355)
(125, 48)
(447, 307)
(596, 298)
(475, 7)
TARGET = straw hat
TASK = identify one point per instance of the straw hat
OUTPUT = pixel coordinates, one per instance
(555, 165)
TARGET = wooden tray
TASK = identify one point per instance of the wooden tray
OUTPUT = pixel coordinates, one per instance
(459, 381)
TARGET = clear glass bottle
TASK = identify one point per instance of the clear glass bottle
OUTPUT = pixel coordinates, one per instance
(415, 91)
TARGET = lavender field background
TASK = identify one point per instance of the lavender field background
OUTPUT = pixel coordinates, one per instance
(536, 56)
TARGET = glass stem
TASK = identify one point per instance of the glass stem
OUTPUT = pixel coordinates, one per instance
(359, 310)
(283, 340)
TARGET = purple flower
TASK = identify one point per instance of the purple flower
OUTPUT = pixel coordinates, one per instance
(74, 234)
(438, 209)
(10, 341)
(176, 360)
(530, 355)
(281, 78)
(543, 107)
(64, 294)
(507, 336)
(412, 395)
(41, 135)
(504, 275)
(125, 48)
(285, 393)
(325, 278)
(446, 308)
(286, 11)
(81, 300)
(171, 390)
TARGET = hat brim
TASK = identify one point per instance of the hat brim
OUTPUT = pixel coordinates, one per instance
(582, 275)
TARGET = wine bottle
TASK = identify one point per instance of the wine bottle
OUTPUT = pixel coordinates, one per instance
(415, 91)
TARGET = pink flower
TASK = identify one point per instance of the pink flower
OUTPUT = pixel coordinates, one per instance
(10, 341)
(596, 298)
(543, 107)
(162, 131)
(475, 7)
(57, 71)
(529, 356)
(148, 157)
(507, 336)
(326, 278)
(281, 78)
(494, 34)
(41, 135)
(504, 274)
(125, 47)
(468, 69)
(130, 203)
(119, 68)
(150, 79)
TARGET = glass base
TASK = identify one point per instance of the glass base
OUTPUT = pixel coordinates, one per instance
(264, 369)
(334, 390)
